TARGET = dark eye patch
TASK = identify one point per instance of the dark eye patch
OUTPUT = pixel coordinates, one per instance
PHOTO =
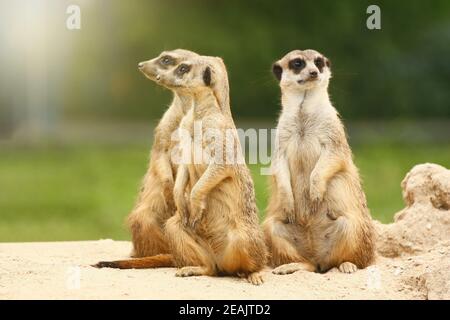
(277, 71)
(297, 65)
(167, 61)
(182, 69)
(320, 63)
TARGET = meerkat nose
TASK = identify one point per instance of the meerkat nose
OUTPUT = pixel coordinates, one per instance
(313, 74)
(140, 65)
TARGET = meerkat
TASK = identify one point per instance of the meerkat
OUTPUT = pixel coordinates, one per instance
(216, 229)
(317, 217)
(155, 200)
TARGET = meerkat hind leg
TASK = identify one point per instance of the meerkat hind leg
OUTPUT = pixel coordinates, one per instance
(347, 267)
(192, 271)
(289, 268)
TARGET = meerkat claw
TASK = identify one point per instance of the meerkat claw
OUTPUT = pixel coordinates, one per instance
(255, 278)
(190, 272)
(347, 267)
(286, 269)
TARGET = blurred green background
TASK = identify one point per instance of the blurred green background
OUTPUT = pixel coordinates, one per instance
(76, 117)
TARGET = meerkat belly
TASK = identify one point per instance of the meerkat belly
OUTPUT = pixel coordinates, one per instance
(223, 202)
(303, 154)
(222, 210)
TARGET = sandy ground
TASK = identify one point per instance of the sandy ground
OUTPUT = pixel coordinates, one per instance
(61, 270)
(413, 263)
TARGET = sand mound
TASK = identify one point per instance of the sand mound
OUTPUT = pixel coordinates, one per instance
(425, 222)
(413, 263)
(421, 231)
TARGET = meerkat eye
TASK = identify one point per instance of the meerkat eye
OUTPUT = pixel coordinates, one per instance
(166, 60)
(297, 64)
(320, 63)
(184, 68)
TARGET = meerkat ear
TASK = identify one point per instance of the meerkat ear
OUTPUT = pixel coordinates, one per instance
(328, 63)
(207, 76)
(277, 71)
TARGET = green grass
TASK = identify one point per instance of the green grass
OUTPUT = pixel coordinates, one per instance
(85, 192)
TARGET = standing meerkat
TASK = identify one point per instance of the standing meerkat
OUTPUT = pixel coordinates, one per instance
(215, 230)
(155, 201)
(317, 217)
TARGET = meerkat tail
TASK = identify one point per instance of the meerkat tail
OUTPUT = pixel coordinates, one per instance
(157, 261)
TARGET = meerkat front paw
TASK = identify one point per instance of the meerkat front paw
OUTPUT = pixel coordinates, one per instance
(168, 186)
(198, 206)
(183, 212)
(288, 209)
(347, 267)
(182, 207)
(288, 213)
(316, 192)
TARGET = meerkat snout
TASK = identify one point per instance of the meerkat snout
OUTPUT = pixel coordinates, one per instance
(313, 74)
(148, 69)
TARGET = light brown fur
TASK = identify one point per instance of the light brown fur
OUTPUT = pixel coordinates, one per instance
(155, 201)
(216, 229)
(317, 217)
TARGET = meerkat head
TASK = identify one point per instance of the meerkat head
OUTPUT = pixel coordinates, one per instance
(302, 70)
(191, 75)
(199, 73)
(165, 62)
